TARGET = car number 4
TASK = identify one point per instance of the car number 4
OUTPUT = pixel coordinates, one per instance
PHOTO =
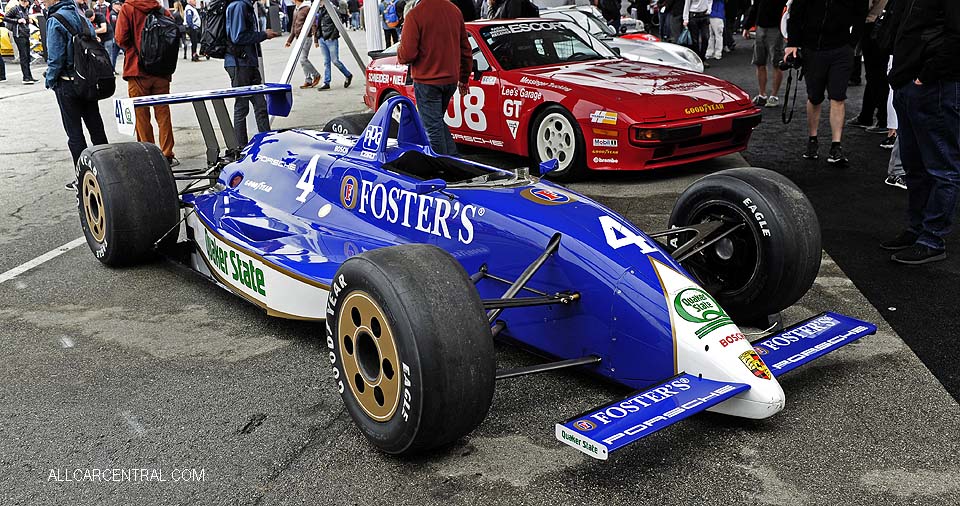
(618, 236)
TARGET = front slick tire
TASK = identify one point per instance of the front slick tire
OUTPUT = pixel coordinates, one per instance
(127, 201)
(411, 347)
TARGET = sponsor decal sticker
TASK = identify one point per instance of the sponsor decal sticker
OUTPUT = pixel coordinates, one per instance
(372, 136)
(704, 108)
(760, 350)
(834, 341)
(732, 338)
(642, 400)
(605, 143)
(258, 185)
(486, 80)
(476, 140)
(584, 425)
(377, 77)
(579, 442)
(546, 196)
(341, 150)
(808, 330)
(399, 206)
(234, 265)
(512, 126)
(697, 306)
(604, 117)
(605, 152)
(755, 364)
(598, 159)
(544, 84)
(348, 192)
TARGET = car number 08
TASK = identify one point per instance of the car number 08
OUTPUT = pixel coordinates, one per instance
(469, 110)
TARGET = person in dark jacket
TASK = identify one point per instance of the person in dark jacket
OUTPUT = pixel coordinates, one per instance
(768, 49)
(825, 31)
(875, 61)
(74, 110)
(467, 8)
(353, 7)
(243, 66)
(130, 21)
(675, 10)
(18, 22)
(330, 47)
(926, 94)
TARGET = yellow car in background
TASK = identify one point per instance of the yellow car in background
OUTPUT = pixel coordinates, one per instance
(6, 41)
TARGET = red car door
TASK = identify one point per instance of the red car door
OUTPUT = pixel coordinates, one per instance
(477, 118)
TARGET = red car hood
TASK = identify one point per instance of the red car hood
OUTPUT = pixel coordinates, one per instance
(643, 91)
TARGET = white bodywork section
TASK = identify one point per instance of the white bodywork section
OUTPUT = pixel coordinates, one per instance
(716, 352)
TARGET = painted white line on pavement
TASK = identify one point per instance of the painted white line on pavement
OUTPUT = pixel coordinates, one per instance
(50, 255)
(66, 342)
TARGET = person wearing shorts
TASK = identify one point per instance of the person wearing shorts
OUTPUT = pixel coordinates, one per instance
(765, 15)
(822, 33)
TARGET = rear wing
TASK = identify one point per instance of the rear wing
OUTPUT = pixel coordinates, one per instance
(279, 99)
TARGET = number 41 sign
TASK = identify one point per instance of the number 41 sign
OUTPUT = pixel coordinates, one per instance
(126, 119)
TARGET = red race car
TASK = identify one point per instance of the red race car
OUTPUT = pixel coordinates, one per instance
(548, 89)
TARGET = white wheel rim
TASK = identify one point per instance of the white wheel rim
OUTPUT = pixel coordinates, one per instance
(556, 139)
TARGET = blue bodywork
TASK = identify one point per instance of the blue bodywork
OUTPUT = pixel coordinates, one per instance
(357, 203)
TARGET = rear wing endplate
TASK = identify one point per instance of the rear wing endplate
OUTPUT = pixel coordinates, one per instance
(279, 99)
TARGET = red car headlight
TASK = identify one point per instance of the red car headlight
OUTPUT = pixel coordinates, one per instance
(641, 135)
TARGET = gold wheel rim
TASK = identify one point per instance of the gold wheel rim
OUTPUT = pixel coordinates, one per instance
(371, 364)
(92, 199)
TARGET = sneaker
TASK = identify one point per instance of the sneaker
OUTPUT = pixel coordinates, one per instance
(72, 186)
(895, 181)
(773, 101)
(888, 142)
(306, 85)
(877, 129)
(759, 100)
(836, 156)
(919, 254)
(855, 122)
(346, 84)
(718, 56)
(28, 81)
(902, 241)
(172, 160)
(812, 152)
(326, 86)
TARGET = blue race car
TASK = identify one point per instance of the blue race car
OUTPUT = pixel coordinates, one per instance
(415, 262)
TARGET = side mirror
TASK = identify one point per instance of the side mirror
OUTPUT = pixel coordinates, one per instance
(477, 73)
(430, 186)
(616, 50)
(549, 166)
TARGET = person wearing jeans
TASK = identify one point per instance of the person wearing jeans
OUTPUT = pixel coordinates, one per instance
(330, 47)
(440, 61)
(926, 83)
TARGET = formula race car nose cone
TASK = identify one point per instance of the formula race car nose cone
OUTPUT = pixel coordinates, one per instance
(370, 356)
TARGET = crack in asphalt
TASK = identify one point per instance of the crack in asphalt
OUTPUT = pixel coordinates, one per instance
(16, 214)
(314, 437)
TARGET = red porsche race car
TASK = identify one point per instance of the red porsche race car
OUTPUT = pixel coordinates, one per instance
(548, 89)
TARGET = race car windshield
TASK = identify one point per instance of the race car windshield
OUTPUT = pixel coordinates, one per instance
(521, 45)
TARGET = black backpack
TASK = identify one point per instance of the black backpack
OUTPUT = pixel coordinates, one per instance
(159, 44)
(214, 42)
(94, 79)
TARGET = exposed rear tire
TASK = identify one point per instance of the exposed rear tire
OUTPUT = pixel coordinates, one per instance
(411, 347)
(554, 133)
(771, 261)
(349, 124)
(127, 201)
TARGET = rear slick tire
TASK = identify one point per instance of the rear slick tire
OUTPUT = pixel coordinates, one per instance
(127, 200)
(411, 347)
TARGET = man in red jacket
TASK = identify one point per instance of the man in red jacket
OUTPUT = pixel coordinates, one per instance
(440, 63)
(130, 23)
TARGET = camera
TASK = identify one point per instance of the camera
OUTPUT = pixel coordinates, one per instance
(790, 62)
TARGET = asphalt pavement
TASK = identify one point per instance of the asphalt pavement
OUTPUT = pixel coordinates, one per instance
(153, 368)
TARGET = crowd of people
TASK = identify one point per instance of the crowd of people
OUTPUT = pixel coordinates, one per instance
(907, 50)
